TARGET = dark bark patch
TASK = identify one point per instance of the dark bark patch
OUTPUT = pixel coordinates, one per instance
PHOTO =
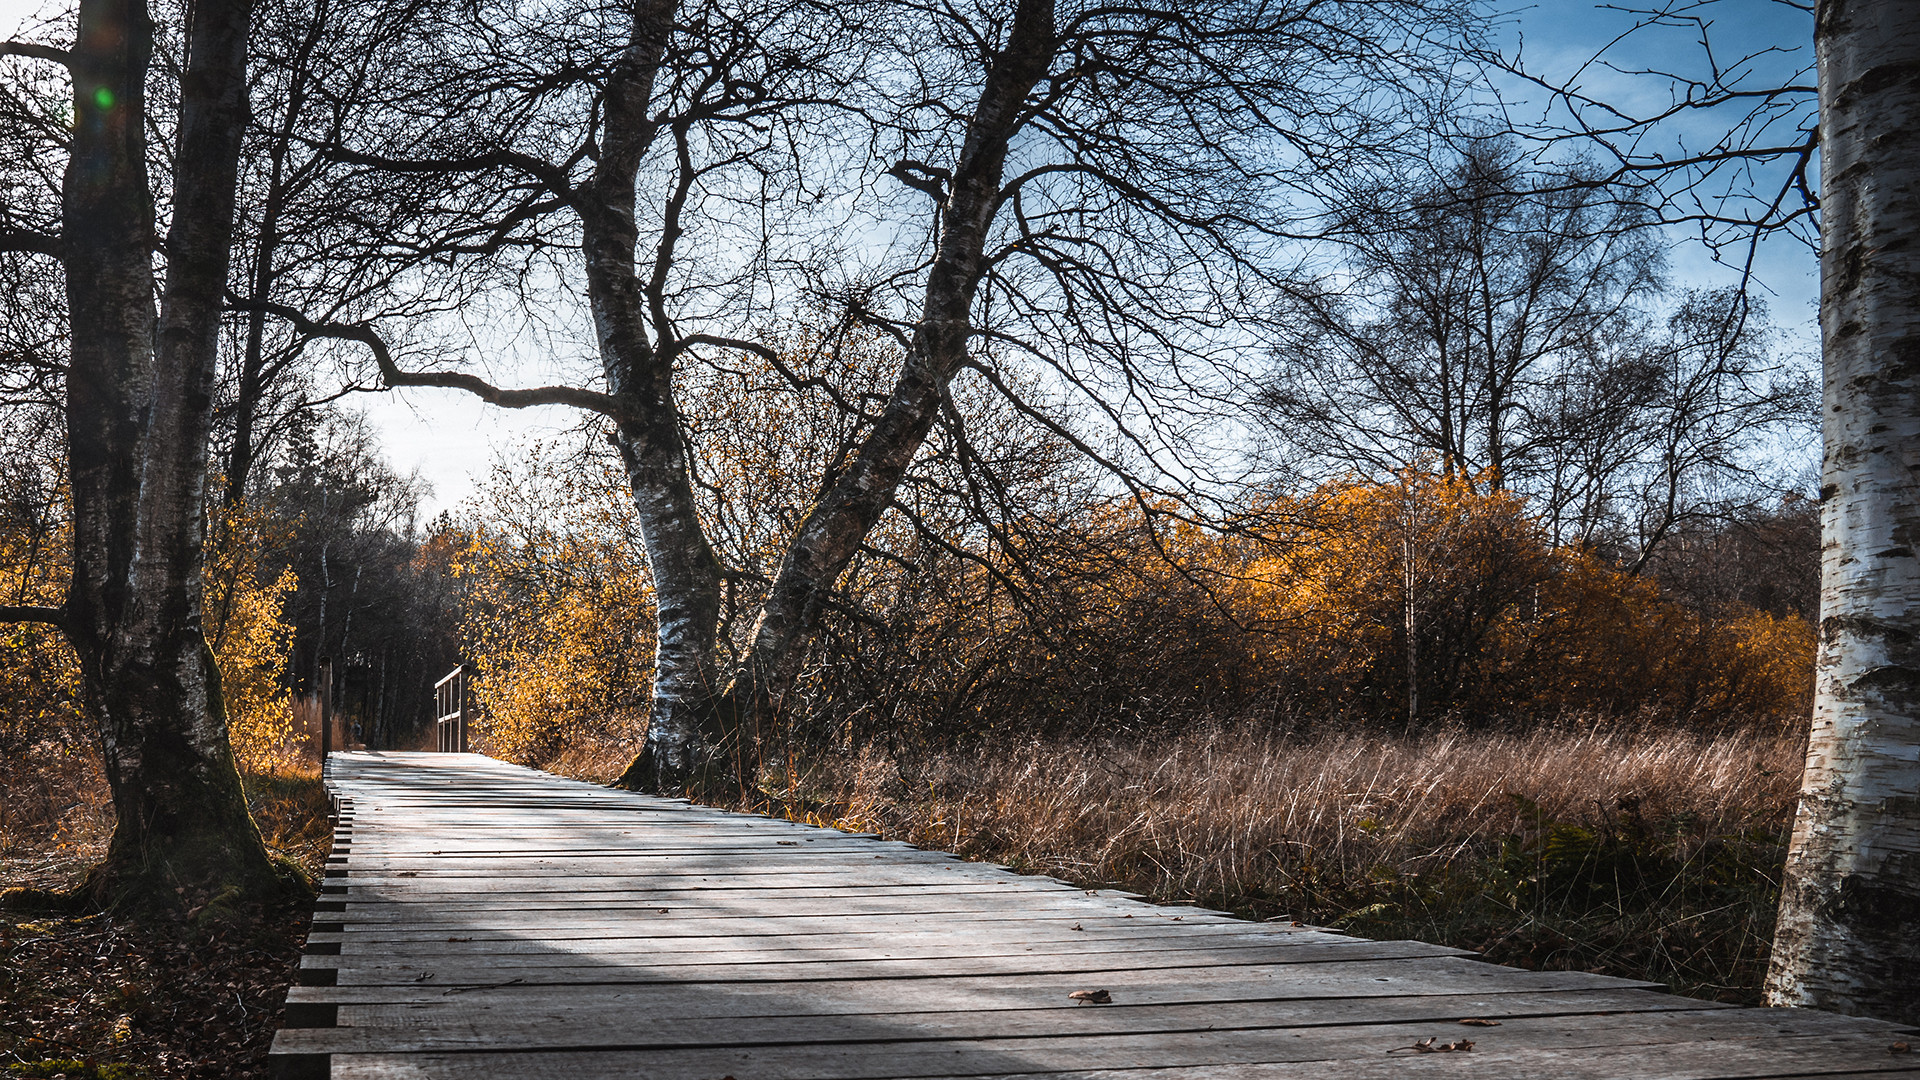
(1876, 907)
(1892, 681)
(1850, 265)
(1903, 360)
(1834, 626)
(1878, 80)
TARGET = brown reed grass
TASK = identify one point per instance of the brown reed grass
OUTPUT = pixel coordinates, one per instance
(1216, 811)
(1635, 850)
(1629, 848)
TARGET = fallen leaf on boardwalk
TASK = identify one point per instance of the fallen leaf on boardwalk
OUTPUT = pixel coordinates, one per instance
(1097, 997)
(1474, 1021)
(1075, 926)
(1428, 1045)
(1898, 1048)
(788, 843)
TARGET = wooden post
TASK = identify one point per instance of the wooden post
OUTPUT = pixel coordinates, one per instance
(461, 684)
(326, 709)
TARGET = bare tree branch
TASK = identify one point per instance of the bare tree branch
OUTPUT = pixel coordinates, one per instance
(508, 398)
(27, 613)
(36, 51)
(26, 240)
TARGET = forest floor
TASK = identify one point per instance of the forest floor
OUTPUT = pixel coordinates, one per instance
(1643, 851)
(107, 997)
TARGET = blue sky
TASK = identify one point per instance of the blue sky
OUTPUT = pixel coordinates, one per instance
(452, 438)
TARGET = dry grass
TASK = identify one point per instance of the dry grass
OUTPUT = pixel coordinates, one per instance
(1629, 849)
(1633, 851)
(1215, 812)
(55, 818)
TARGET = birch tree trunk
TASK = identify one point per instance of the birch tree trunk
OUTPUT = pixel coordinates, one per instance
(1848, 936)
(831, 533)
(683, 733)
(139, 410)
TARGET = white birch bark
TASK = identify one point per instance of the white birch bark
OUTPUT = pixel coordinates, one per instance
(1848, 937)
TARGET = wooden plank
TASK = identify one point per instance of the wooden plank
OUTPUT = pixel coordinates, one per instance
(683, 869)
(564, 1028)
(563, 926)
(716, 886)
(716, 950)
(1659, 1041)
(1367, 981)
(1010, 934)
(560, 913)
(455, 971)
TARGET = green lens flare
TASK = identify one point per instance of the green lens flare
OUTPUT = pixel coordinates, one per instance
(103, 97)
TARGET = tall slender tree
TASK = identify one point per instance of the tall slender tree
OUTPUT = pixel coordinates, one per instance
(138, 410)
(1848, 936)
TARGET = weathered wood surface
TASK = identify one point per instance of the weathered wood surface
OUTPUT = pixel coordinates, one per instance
(485, 921)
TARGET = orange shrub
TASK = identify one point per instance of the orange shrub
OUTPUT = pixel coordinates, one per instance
(1503, 622)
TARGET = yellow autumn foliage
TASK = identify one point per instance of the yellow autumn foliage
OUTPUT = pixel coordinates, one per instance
(559, 613)
(1503, 621)
(241, 618)
(42, 706)
(250, 641)
(1112, 614)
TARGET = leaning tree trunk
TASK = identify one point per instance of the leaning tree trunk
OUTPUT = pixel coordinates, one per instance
(1849, 930)
(684, 735)
(713, 738)
(138, 418)
(833, 531)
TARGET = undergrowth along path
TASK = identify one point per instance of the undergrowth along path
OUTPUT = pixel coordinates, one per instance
(482, 920)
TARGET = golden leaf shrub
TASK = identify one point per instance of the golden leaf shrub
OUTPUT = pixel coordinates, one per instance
(40, 703)
(559, 611)
(250, 640)
(1092, 611)
(1504, 623)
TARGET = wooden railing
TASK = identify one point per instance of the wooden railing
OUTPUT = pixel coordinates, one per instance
(450, 711)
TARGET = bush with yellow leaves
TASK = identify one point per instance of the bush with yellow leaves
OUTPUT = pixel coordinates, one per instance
(251, 641)
(1424, 598)
(559, 613)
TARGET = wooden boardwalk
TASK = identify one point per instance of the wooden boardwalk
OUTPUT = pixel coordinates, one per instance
(485, 921)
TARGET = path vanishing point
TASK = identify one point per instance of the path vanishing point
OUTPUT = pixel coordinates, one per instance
(482, 921)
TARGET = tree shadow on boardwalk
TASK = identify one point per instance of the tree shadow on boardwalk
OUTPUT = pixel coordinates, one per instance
(498, 922)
